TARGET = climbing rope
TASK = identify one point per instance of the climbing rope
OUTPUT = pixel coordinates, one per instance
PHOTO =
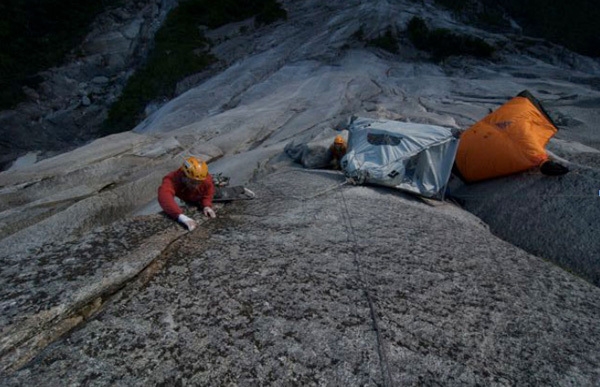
(352, 238)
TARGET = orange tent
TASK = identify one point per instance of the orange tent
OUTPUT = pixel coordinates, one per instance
(511, 139)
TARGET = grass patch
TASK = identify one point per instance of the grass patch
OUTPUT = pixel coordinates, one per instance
(418, 33)
(443, 43)
(359, 34)
(386, 41)
(176, 55)
(37, 34)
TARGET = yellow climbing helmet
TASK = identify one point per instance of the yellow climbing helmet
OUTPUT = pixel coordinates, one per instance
(339, 140)
(195, 169)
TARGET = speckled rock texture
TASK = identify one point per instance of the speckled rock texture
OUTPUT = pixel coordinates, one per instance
(555, 217)
(316, 282)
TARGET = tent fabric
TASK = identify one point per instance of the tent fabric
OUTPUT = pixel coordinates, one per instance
(509, 140)
(413, 157)
(310, 156)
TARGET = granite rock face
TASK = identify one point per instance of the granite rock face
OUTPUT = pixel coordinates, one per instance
(562, 215)
(315, 282)
(321, 283)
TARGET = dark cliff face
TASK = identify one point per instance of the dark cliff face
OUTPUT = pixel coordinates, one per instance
(36, 35)
(82, 69)
(67, 86)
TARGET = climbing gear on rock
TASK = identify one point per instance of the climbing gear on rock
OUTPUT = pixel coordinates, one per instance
(219, 180)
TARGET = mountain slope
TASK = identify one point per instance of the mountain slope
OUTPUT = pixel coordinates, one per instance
(313, 282)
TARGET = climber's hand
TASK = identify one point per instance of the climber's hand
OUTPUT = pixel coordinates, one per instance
(188, 222)
(209, 212)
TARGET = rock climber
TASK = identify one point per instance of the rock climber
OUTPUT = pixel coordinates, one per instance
(190, 183)
(338, 150)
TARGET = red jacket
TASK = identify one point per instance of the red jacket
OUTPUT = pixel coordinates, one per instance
(173, 185)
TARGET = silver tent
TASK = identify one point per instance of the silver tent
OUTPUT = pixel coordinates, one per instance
(412, 157)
